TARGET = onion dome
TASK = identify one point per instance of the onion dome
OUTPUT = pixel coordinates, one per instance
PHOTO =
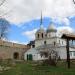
(51, 28)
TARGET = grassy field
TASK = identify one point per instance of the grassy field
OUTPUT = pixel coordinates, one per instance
(30, 68)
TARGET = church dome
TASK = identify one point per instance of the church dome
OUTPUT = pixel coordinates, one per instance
(51, 28)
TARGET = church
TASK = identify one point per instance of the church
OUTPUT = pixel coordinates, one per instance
(48, 42)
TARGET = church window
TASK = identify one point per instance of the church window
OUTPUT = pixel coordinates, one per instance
(70, 53)
(42, 35)
(74, 53)
(59, 41)
(45, 35)
(45, 42)
(54, 43)
(38, 35)
(62, 42)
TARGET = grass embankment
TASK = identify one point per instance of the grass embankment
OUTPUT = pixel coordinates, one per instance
(30, 68)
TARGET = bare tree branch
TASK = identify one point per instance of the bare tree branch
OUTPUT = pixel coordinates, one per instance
(74, 1)
(4, 14)
(2, 2)
(4, 25)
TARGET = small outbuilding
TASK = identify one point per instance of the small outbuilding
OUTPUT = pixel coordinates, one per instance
(33, 54)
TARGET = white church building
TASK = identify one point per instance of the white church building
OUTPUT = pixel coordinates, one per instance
(48, 42)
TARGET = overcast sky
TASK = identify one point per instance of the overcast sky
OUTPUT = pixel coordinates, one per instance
(22, 14)
(23, 10)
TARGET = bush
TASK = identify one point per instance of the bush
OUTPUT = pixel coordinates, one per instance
(49, 62)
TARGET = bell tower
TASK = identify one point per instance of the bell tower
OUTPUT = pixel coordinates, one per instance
(40, 34)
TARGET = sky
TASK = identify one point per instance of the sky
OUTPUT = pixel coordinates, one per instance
(24, 17)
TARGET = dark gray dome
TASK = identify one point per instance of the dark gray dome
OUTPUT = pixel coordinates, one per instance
(51, 28)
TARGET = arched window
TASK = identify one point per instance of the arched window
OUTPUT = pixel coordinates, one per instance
(62, 42)
(54, 43)
(38, 35)
(42, 35)
(45, 35)
(59, 41)
(45, 42)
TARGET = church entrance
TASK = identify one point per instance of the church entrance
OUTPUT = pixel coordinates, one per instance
(29, 57)
(16, 55)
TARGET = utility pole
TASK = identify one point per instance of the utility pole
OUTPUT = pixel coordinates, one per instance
(68, 53)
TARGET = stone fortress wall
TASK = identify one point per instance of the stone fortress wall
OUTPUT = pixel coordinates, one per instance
(9, 50)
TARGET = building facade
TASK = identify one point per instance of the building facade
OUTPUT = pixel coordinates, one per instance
(49, 36)
(9, 50)
(48, 42)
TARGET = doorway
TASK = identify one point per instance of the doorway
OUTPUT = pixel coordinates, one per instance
(29, 57)
(16, 55)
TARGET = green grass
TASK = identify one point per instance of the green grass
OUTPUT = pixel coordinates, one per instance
(29, 68)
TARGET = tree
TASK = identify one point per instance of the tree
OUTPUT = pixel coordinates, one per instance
(4, 25)
(52, 56)
(74, 1)
(2, 2)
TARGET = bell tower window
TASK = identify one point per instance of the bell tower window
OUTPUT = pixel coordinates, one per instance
(38, 35)
(42, 35)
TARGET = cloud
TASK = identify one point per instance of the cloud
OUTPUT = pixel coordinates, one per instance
(24, 10)
(61, 29)
(65, 29)
(64, 21)
(30, 34)
(18, 42)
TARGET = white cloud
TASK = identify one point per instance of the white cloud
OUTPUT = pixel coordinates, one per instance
(18, 42)
(65, 29)
(64, 21)
(23, 10)
(30, 34)
(13, 41)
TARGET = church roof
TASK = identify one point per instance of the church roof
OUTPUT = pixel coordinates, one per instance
(51, 28)
(68, 36)
(32, 51)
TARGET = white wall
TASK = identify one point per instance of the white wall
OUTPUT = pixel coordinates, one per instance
(61, 42)
(62, 52)
(73, 53)
(39, 42)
